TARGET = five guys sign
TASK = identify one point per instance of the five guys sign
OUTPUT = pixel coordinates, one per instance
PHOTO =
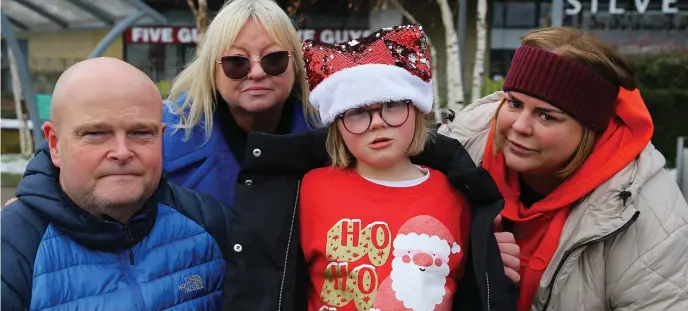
(188, 35)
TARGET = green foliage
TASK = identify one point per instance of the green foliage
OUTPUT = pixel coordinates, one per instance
(490, 86)
(10, 141)
(9, 180)
(661, 71)
(164, 87)
(662, 80)
(669, 110)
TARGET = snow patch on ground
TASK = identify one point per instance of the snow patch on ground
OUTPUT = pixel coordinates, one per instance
(13, 163)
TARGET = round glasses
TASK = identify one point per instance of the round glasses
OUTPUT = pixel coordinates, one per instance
(237, 67)
(394, 114)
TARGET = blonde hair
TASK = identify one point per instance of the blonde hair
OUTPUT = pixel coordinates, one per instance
(341, 157)
(590, 51)
(196, 83)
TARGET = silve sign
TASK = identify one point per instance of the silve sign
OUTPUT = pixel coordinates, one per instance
(188, 35)
(668, 6)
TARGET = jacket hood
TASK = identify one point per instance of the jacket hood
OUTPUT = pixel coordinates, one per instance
(626, 139)
(629, 132)
(40, 191)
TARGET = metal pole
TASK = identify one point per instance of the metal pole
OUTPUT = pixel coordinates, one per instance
(155, 15)
(25, 77)
(115, 32)
(463, 24)
(684, 175)
(557, 13)
(680, 154)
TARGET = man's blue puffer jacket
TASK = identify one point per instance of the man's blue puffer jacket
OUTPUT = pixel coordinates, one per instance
(55, 256)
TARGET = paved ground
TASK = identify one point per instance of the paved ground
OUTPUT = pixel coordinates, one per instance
(6, 193)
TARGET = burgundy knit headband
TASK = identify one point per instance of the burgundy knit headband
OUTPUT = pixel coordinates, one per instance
(564, 83)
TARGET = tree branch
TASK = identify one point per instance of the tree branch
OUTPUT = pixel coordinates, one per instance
(433, 60)
(293, 8)
(408, 16)
(192, 6)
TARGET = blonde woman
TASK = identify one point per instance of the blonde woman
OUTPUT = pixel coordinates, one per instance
(600, 222)
(248, 76)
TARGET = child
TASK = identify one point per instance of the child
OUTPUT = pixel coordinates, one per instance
(378, 232)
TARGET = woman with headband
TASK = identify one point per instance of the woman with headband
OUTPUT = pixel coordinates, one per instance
(600, 222)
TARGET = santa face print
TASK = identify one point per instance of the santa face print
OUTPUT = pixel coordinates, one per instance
(381, 145)
(421, 257)
(419, 270)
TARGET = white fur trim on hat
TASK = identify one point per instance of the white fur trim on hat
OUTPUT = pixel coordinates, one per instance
(368, 84)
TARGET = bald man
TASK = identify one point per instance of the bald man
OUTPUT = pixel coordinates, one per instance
(95, 226)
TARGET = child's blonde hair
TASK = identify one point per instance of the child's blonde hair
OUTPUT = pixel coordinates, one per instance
(341, 157)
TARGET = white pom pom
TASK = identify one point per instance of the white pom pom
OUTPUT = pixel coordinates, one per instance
(455, 248)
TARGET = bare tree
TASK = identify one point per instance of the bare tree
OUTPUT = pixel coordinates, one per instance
(200, 13)
(479, 66)
(25, 142)
(293, 7)
(433, 61)
(455, 94)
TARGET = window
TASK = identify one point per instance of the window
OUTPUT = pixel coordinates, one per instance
(520, 14)
(160, 61)
(500, 60)
(333, 14)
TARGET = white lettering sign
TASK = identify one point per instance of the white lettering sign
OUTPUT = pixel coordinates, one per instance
(641, 5)
(575, 6)
(669, 10)
(165, 35)
(186, 35)
(613, 9)
(332, 36)
(189, 35)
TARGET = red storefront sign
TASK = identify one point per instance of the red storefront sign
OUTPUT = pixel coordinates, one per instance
(188, 35)
(165, 35)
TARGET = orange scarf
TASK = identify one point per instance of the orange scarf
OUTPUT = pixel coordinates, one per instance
(539, 227)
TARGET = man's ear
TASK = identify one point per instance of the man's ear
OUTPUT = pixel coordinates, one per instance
(50, 133)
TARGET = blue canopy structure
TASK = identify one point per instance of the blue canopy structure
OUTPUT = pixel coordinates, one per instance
(36, 16)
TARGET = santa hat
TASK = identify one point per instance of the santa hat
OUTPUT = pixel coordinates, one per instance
(426, 234)
(389, 65)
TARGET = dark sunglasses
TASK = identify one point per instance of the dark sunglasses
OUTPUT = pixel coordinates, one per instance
(237, 67)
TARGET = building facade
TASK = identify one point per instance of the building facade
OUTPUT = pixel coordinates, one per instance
(632, 26)
(163, 51)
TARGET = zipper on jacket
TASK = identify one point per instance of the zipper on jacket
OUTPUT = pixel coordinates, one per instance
(487, 282)
(487, 276)
(129, 239)
(568, 254)
(286, 256)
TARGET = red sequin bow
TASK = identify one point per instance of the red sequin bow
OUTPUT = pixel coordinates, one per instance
(403, 46)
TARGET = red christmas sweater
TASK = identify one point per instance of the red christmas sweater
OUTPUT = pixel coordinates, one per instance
(378, 247)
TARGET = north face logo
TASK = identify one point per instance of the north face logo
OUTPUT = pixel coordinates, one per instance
(192, 283)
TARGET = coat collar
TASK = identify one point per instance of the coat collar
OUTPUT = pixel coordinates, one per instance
(299, 153)
(603, 206)
(179, 153)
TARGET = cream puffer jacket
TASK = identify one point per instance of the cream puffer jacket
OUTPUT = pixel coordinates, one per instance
(624, 246)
